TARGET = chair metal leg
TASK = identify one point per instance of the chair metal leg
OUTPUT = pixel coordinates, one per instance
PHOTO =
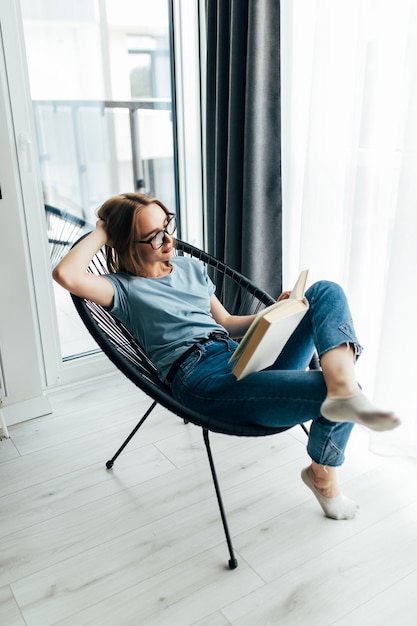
(110, 463)
(232, 561)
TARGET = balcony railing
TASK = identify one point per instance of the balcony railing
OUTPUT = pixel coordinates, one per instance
(89, 141)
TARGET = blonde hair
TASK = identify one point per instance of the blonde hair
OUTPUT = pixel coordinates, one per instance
(119, 214)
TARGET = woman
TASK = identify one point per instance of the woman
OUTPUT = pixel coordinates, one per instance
(169, 305)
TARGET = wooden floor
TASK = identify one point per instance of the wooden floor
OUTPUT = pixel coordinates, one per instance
(143, 543)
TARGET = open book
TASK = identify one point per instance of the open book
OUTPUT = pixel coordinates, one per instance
(270, 331)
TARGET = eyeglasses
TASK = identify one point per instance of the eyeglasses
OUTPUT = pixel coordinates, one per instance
(158, 240)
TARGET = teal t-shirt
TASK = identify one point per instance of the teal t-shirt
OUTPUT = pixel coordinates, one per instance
(168, 314)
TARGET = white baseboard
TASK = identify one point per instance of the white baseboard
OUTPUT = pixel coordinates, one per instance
(26, 410)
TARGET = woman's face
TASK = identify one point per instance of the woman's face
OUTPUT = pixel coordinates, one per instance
(149, 221)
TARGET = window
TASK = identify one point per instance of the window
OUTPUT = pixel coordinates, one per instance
(71, 41)
(100, 79)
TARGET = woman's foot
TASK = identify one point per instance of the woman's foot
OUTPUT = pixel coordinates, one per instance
(359, 410)
(324, 486)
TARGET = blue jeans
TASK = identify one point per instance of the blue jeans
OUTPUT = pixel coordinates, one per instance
(285, 394)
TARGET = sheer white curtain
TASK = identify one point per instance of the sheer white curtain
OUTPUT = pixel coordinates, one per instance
(349, 120)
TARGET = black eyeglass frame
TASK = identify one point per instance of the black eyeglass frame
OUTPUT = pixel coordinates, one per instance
(161, 233)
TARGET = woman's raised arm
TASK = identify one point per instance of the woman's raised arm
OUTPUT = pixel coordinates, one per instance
(71, 273)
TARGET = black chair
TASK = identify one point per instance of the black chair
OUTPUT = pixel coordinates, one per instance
(63, 230)
(237, 293)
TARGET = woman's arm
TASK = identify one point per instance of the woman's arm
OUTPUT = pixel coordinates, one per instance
(71, 273)
(236, 325)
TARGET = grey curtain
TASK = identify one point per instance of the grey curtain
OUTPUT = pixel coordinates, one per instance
(244, 197)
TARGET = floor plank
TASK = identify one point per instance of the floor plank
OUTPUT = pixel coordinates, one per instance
(81, 544)
(396, 605)
(348, 574)
(10, 614)
(186, 592)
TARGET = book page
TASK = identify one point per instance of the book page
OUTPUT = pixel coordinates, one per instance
(280, 309)
(300, 285)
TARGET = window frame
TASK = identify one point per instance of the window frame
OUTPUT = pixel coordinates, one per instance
(26, 181)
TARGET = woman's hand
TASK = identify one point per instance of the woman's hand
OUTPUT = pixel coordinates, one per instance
(101, 227)
(72, 271)
(284, 296)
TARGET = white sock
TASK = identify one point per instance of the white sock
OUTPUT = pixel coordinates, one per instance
(359, 410)
(339, 507)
